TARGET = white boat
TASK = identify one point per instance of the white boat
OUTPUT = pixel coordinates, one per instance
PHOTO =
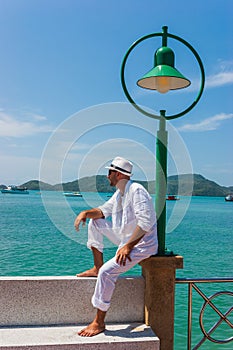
(72, 194)
(229, 198)
(15, 190)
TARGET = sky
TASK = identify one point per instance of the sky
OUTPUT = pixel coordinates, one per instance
(63, 111)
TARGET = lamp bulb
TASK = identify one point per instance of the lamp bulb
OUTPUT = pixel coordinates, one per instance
(163, 84)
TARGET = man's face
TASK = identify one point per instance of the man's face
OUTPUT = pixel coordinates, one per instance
(112, 176)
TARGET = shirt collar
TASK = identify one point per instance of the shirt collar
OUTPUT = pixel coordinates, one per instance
(122, 187)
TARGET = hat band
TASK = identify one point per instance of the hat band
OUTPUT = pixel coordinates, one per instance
(120, 169)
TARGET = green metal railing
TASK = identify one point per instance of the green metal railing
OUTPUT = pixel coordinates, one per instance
(223, 317)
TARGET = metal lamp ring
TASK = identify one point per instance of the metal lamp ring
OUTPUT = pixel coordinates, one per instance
(152, 115)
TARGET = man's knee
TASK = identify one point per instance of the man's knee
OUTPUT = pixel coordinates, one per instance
(105, 275)
(95, 223)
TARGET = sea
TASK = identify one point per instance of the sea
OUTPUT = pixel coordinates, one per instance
(38, 239)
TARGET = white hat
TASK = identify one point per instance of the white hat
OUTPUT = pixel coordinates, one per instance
(122, 165)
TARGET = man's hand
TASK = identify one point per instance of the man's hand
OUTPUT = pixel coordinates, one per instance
(82, 217)
(123, 254)
(94, 213)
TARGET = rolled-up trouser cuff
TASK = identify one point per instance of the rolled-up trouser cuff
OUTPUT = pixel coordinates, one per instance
(98, 304)
(94, 244)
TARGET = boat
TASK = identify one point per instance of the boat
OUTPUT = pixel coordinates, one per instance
(229, 198)
(72, 194)
(15, 190)
(172, 197)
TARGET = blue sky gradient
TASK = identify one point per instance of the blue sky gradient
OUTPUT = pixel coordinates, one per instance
(59, 57)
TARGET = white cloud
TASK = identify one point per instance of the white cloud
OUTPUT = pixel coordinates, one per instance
(13, 127)
(207, 124)
(219, 79)
(223, 75)
(37, 117)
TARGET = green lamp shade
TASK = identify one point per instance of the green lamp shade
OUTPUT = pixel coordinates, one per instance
(163, 77)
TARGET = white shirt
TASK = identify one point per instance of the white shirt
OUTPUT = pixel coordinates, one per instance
(127, 211)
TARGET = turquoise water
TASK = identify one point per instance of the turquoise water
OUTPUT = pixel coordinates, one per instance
(33, 245)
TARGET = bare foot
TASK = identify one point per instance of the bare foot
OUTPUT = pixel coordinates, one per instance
(89, 273)
(92, 329)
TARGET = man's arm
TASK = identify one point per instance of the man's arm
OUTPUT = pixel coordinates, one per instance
(94, 213)
(124, 253)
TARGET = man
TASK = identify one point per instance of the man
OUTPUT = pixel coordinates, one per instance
(132, 228)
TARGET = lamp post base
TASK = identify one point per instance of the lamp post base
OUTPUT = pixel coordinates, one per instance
(159, 273)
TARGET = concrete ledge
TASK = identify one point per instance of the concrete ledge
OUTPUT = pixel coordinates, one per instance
(26, 301)
(134, 336)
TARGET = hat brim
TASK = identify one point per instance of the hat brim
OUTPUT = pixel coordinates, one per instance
(119, 170)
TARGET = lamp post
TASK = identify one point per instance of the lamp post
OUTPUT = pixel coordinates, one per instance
(163, 77)
(159, 271)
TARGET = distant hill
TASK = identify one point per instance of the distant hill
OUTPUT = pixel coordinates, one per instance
(100, 183)
(202, 186)
(38, 185)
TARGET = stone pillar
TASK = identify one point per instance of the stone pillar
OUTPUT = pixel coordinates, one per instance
(159, 273)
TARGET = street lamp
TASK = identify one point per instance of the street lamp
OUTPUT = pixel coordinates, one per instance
(162, 77)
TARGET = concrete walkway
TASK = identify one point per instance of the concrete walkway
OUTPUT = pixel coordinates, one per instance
(133, 336)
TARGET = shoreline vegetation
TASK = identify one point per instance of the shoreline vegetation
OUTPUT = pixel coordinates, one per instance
(176, 185)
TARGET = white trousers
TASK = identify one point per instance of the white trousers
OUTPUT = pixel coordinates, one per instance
(110, 271)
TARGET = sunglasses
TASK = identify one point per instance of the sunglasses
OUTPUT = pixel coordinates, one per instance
(111, 171)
